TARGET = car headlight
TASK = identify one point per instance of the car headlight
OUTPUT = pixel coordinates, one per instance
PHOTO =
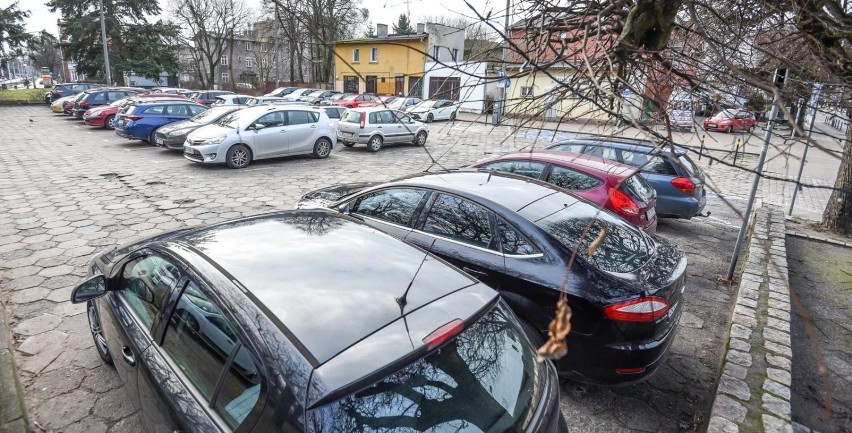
(216, 140)
(174, 133)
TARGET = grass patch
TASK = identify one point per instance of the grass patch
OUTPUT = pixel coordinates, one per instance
(22, 95)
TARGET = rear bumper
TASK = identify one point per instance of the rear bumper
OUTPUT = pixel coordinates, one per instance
(681, 207)
(123, 133)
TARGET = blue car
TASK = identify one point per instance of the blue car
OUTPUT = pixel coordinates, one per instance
(678, 181)
(139, 121)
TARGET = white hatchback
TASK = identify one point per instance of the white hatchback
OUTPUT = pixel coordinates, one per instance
(260, 133)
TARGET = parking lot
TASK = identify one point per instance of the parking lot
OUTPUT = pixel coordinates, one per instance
(69, 191)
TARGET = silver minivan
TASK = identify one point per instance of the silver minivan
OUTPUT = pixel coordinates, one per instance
(377, 126)
(262, 132)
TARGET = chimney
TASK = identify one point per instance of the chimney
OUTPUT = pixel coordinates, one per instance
(421, 28)
(382, 30)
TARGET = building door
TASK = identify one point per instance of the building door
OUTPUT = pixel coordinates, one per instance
(371, 83)
(415, 87)
(350, 83)
(399, 86)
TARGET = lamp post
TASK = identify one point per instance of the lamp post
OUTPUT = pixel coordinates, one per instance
(107, 72)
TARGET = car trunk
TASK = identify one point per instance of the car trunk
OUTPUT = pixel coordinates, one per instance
(349, 126)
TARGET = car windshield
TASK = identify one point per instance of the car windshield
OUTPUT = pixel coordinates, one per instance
(425, 104)
(118, 102)
(620, 247)
(316, 94)
(351, 116)
(486, 380)
(210, 115)
(234, 119)
(726, 114)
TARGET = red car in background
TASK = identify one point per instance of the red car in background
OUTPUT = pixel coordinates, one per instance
(731, 120)
(358, 100)
(104, 116)
(614, 186)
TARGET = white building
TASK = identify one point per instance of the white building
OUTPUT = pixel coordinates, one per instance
(473, 84)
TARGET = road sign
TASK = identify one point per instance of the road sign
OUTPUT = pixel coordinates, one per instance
(501, 73)
(626, 93)
(508, 82)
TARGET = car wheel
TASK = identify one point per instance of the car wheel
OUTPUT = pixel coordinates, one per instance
(322, 148)
(420, 139)
(97, 333)
(536, 337)
(453, 116)
(375, 143)
(348, 144)
(109, 122)
(729, 129)
(751, 129)
(238, 156)
(430, 118)
(151, 136)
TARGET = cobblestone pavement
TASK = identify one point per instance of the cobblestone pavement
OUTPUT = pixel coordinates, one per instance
(69, 191)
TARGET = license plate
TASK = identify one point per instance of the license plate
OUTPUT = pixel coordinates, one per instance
(711, 125)
(651, 214)
(160, 141)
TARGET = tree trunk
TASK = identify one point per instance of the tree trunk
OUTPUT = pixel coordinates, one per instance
(838, 213)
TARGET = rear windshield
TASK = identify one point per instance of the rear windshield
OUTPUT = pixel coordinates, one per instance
(622, 249)
(351, 116)
(688, 165)
(637, 187)
(486, 380)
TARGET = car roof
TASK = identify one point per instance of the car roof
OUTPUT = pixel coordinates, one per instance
(515, 193)
(624, 143)
(594, 165)
(326, 280)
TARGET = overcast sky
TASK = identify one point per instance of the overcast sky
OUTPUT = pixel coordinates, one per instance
(381, 11)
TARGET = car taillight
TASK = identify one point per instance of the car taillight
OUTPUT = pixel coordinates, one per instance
(134, 118)
(645, 309)
(363, 120)
(444, 333)
(685, 185)
(622, 203)
(84, 105)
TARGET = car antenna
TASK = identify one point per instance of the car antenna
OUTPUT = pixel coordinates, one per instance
(402, 301)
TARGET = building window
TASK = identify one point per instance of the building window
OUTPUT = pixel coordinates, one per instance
(374, 54)
(264, 63)
(435, 52)
(226, 76)
(526, 92)
(356, 55)
(264, 47)
(455, 54)
(224, 60)
(248, 46)
(249, 62)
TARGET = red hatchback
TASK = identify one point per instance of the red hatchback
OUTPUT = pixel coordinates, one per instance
(612, 185)
(730, 120)
(104, 116)
(356, 100)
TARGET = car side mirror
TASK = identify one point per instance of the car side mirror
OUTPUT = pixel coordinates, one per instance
(345, 209)
(93, 288)
(259, 126)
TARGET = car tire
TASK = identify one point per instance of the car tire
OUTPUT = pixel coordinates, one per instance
(729, 129)
(751, 129)
(151, 139)
(420, 138)
(238, 156)
(322, 148)
(109, 122)
(375, 143)
(97, 333)
(430, 118)
(453, 116)
(347, 144)
(536, 337)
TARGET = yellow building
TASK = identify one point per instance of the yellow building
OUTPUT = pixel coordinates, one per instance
(551, 95)
(394, 64)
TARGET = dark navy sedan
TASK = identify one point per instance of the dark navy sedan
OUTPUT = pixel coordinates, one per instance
(517, 235)
(310, 321)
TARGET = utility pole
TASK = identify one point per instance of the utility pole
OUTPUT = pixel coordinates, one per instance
(498, 109)
(812, 107)
(107, 71)
(275, 49)
(779, 78)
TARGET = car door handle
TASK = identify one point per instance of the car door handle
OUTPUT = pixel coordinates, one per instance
(127, 354)
(282, 131)
(378, 127)
(313, 126)
(475, 272)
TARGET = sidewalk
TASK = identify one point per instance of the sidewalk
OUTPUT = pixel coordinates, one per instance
(12, 416)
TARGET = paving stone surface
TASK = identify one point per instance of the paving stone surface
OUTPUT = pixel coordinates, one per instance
(69, 191)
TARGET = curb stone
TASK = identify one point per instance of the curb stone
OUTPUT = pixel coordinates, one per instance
(13, 417)
(753, 393)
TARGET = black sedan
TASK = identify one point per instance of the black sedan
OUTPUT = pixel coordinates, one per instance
(257, 325)
(517, 235)
(173, 135)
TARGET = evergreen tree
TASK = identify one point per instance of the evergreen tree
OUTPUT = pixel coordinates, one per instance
(134, 44)
(13, 35)
(403, 25)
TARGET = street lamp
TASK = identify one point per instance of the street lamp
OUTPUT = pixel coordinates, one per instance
(106, 51)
